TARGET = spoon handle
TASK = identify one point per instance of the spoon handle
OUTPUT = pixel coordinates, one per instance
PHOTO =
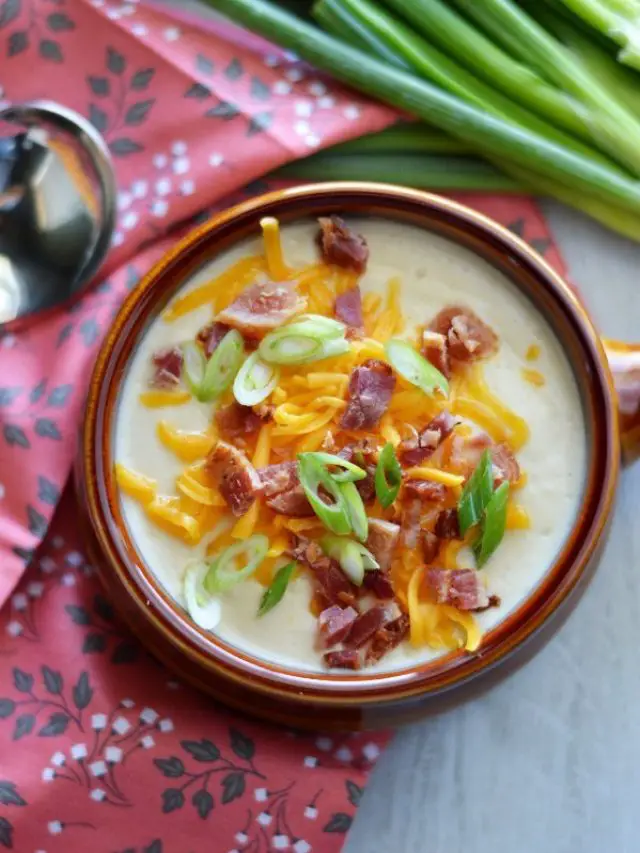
(624, 361)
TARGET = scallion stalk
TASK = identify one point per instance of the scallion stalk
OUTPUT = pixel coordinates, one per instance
(406, 361)
(618, 20)
(402, 138)
(313, 475)
(531, 151)
(494, 525)
(276, 589)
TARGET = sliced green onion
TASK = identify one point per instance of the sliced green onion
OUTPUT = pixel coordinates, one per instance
(476, 494)
(414, 368)
(349, 472)
(494, 525)
(303, 341)
(194, 366)
(356, 510)
(388, 476)
(223, 574)
(255, 380)
(348, 553)
(222, 367)
(312, 475)
(277, 588)
(336, 328)
(203, 609)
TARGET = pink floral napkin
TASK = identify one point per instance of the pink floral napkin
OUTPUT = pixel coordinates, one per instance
(100, 748)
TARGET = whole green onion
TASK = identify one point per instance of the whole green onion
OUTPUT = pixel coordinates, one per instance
(502, 138)
(415, 368)
(414, 138)
(223, 574)
(356, 511)
(493, 525)
(619, 20)
(476, 494)
(276, 589)
(221, 369)
(312, 474)
(255, 380)
(388, 476)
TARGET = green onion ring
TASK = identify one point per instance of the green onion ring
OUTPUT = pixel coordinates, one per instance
(222, 367)
(255, 380)
(357, 512)
(312, 475)
(223, 575)
(349, 472)
(414, 368)
(388, 476)
(476, 494)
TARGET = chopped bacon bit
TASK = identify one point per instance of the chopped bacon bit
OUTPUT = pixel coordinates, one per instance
(237, 479)
(447, 525)
(366, 626)
(342, 246)
(411, 515)
(263, 307)
(426, 490)
(388, 638)
(210, 336)
(430, 545)
(348, 309)
(413, 451)
(379, 583)
(282, 490)
(370, 388)
(167, 368)
(505, 465)
(343, 659)
(334, 624)
(382, 540)
(236, 420)
(461, 588)
(333, 585)
(466, 454)
(435, 348)
(469, 338)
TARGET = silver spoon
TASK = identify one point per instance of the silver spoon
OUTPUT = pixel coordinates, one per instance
(57, 207)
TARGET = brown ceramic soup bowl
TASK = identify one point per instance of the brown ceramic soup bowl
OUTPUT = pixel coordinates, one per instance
(361, 700)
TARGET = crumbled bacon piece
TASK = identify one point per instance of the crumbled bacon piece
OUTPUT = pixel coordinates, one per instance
(413, 451)
(210, 336)
(469, 338)
(335, 623)
(466, 453)
(461, 588)
(348, 309)
(237, 420)
(333, 585)
(447, 524)
(343, 659)
(237, 479)
(263, 307)
(370, 388)
(427, 490)
(430, 545)
(379, 583)
(411, 515)
(342, 246)
(167, 368)
(382, 540)
(282, 490)
(435, 348)
(366, 626)
(388, 638)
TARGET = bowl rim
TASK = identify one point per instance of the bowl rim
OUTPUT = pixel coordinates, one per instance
(451, 669)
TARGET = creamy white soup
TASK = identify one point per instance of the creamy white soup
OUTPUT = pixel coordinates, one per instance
(529, 374)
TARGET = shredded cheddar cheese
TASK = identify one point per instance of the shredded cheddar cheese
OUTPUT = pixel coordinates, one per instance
(187, 446)
(533, 352)
(534, 377)
(435, 474)
(276, 266)
(137, 486)
(517, 517)
(160, 399)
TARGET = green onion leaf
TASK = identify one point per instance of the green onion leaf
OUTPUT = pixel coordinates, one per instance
(304, 341)
(494, 525)
(414, 368)
(355, 508)
(476, 494)
(203, 609)
(222, 367)
(255, 380)
(312, 475)
(223, 573)
(349, 472)
(277, 588)
(388, 476)
(194, 366)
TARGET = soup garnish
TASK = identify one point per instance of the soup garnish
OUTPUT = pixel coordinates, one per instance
(373, 460)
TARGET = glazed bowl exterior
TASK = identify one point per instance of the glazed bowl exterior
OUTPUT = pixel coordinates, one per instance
(331, 701)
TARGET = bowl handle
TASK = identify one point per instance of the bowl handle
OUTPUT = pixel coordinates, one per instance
(624, 360)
